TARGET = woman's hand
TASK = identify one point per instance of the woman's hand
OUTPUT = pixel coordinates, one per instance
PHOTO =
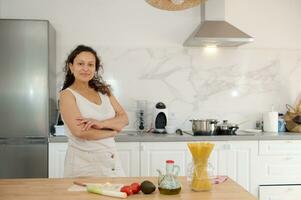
(88, 123)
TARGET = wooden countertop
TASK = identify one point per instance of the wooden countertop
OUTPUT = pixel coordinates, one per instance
(56, 189)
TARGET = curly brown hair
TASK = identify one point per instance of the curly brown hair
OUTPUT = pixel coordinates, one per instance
(97, 83)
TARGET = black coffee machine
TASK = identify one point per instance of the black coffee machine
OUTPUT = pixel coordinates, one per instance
(160, 118)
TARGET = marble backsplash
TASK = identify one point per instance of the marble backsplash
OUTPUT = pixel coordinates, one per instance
(195, 83)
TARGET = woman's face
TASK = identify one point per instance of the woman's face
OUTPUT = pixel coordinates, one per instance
(83, 67)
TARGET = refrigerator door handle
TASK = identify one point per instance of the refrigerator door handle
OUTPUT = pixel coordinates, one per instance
(36, 140)
(34, 137)
(3, 140)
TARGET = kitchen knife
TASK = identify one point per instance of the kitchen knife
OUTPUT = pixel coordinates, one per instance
(98, 190)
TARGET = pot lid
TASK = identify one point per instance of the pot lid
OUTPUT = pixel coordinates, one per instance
(204, 120)
(227, 124)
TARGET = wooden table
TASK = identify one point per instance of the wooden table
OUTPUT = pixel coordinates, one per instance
(56, 189)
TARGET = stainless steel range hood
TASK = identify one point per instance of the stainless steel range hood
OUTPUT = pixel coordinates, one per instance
(216, 31)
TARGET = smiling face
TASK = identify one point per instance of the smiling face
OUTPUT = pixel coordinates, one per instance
(83, 66)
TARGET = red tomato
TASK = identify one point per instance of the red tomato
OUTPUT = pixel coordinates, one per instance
(127, 189)
(135, 187)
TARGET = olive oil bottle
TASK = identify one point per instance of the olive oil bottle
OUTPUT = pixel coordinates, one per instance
(169, 184)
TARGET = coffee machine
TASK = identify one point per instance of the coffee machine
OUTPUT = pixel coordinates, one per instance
(160, 118)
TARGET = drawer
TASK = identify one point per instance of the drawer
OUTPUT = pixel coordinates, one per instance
(280, 192)
(279, 169)
(280, 147)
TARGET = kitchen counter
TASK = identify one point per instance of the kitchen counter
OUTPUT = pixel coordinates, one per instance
(42, 189)
(134, 136)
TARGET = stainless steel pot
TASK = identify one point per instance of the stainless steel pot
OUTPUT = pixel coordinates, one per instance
(204, 126)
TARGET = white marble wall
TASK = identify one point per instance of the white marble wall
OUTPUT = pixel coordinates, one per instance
(232, 83)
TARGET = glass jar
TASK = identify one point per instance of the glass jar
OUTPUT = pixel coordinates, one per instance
(200, 176)
(204, 174)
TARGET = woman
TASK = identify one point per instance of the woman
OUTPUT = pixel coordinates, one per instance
(92, 117)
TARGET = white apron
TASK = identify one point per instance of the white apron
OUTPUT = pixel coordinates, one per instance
(80, 163)
(97, 158)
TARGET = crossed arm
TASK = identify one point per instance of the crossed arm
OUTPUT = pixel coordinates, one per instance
(91, 129)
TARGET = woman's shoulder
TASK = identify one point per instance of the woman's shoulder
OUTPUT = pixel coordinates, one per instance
(66, 93)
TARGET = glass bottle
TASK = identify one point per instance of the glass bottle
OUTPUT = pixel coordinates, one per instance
(169, 184)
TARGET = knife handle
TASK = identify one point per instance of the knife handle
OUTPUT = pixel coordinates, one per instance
(79, 183)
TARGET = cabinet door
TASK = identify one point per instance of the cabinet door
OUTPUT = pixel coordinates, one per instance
(155, 154)
(280, 192)
(57, 153)
(129, 153)
(241, 162)
(280, 162)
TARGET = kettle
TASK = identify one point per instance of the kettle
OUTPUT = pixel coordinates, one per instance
(168, 183)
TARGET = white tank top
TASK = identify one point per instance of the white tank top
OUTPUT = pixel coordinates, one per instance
(100, 112)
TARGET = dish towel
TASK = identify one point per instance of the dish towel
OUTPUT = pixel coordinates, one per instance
(219, 179)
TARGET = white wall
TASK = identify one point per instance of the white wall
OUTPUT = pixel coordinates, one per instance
(141, 48)
(274, 24)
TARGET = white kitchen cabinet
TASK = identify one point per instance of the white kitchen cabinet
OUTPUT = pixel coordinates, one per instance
(237, 159)
(128, 153)
(279, 162)
(280, 147)
(280, 192)
(154, 155)
(56, 159)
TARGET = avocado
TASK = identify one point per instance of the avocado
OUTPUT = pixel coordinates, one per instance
(147, 187)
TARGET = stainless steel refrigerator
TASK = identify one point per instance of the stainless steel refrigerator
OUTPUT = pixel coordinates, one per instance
(27, 96)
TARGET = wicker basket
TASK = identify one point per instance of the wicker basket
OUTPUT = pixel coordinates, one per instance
(292, 118)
